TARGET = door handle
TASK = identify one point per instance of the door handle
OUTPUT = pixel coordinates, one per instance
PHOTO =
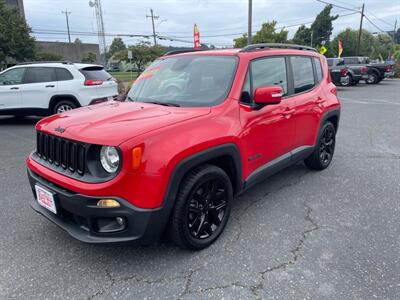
(320, 100)
(14, 88)
(50, 86)
(288, 112)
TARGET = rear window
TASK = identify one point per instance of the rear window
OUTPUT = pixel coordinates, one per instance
(97, 73)
(39, 74)
(303, 73)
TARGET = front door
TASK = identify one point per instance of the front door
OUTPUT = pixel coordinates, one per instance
(10, 88)
(268, 132)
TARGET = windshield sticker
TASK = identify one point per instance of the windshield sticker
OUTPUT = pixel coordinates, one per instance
(148, 73)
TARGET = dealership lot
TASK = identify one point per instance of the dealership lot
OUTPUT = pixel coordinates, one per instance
(300, 234)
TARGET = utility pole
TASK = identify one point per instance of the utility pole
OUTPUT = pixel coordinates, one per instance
(393, 41)
(359, 33)
(152, 16)
(312, 36)
(250, 21)
(66, 12)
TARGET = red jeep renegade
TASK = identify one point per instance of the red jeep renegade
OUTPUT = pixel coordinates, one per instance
(198, 128)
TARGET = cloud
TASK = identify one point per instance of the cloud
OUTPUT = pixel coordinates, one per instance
(176, 17)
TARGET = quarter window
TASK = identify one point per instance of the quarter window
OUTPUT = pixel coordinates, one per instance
(63, 74)
(39, 74)
(12, 77)
(303, 73)
(318, 68)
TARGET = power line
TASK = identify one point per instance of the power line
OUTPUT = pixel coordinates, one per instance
(333, 4)
(375, 17)
(66, 12)
(373, 24)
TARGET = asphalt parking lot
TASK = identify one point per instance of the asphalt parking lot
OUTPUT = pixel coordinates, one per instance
(299, 235)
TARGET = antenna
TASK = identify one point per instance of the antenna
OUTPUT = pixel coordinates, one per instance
(100, 29)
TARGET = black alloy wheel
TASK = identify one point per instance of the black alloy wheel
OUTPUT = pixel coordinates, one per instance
(324, 148)
(327, 145)
(202, 207)
(206, 208)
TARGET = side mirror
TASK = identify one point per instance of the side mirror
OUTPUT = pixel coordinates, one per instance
(268, 95)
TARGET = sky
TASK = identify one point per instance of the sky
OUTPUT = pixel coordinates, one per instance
(219, 21)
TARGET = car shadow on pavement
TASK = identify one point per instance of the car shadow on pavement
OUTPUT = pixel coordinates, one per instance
(10, 120)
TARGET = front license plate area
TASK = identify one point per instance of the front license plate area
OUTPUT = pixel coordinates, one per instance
(45, 199)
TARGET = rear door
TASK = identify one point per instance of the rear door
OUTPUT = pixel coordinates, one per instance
(40, 84)
(10, 88)
(309, 97)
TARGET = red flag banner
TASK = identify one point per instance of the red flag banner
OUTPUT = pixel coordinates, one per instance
(196, 36)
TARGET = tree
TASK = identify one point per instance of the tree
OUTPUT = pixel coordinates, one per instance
(142, 54)
(397, 36)
(47, 56)
(15, 41)
(89, 57)
(382, 46)
(302, 36)
(116, 46)
(77, 41)
(349, 38)
(267, 34)
(322, 27)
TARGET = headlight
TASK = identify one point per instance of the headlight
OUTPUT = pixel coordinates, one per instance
(109, 158)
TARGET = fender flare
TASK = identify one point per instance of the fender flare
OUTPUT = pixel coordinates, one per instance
(54, 98)
(335, 112)
(197, 159)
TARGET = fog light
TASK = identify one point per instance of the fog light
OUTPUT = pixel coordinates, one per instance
(108, 203)
(120, 221)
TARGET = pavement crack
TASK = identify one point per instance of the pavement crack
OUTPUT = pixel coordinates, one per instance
(252, 288)
(297, 250)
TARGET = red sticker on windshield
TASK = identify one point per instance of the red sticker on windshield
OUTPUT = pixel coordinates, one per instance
(148, 73)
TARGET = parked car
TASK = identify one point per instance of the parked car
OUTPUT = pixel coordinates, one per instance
(376, 71)
(355, 72)
(340, 75)
(130, 171)
(49, 88)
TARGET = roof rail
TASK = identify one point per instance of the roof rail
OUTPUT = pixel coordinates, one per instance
(183, 51)
(275, 45)
(45, 62)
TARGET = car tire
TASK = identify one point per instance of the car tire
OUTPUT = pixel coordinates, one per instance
(372, 78)
(63, 105)
(355, 82)
(348, 82)
(324, 149)
(202, 208)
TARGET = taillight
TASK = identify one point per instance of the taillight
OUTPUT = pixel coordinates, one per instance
(343, 72)
(388, 69)
(363, 70)
(93, 82)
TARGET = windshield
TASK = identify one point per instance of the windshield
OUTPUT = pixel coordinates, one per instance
(185, 81)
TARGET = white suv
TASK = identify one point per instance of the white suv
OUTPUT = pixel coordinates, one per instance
(43, 88)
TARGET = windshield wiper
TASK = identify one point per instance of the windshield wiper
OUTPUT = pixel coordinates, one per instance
(163, 103)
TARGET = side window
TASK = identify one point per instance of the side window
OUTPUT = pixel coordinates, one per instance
(12, 77)
(63, 74)
(269, 71)
(318, 68)
(39, 74)
(303, 74)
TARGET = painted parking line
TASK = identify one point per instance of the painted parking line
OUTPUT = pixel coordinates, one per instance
(369, 101)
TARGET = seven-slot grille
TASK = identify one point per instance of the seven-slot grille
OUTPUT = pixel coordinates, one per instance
(62, 153)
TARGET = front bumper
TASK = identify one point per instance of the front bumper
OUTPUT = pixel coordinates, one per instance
(78, 215)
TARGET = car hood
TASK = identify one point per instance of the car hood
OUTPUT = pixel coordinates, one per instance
(113, 123)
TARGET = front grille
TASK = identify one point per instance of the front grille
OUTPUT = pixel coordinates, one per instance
(62, 153)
